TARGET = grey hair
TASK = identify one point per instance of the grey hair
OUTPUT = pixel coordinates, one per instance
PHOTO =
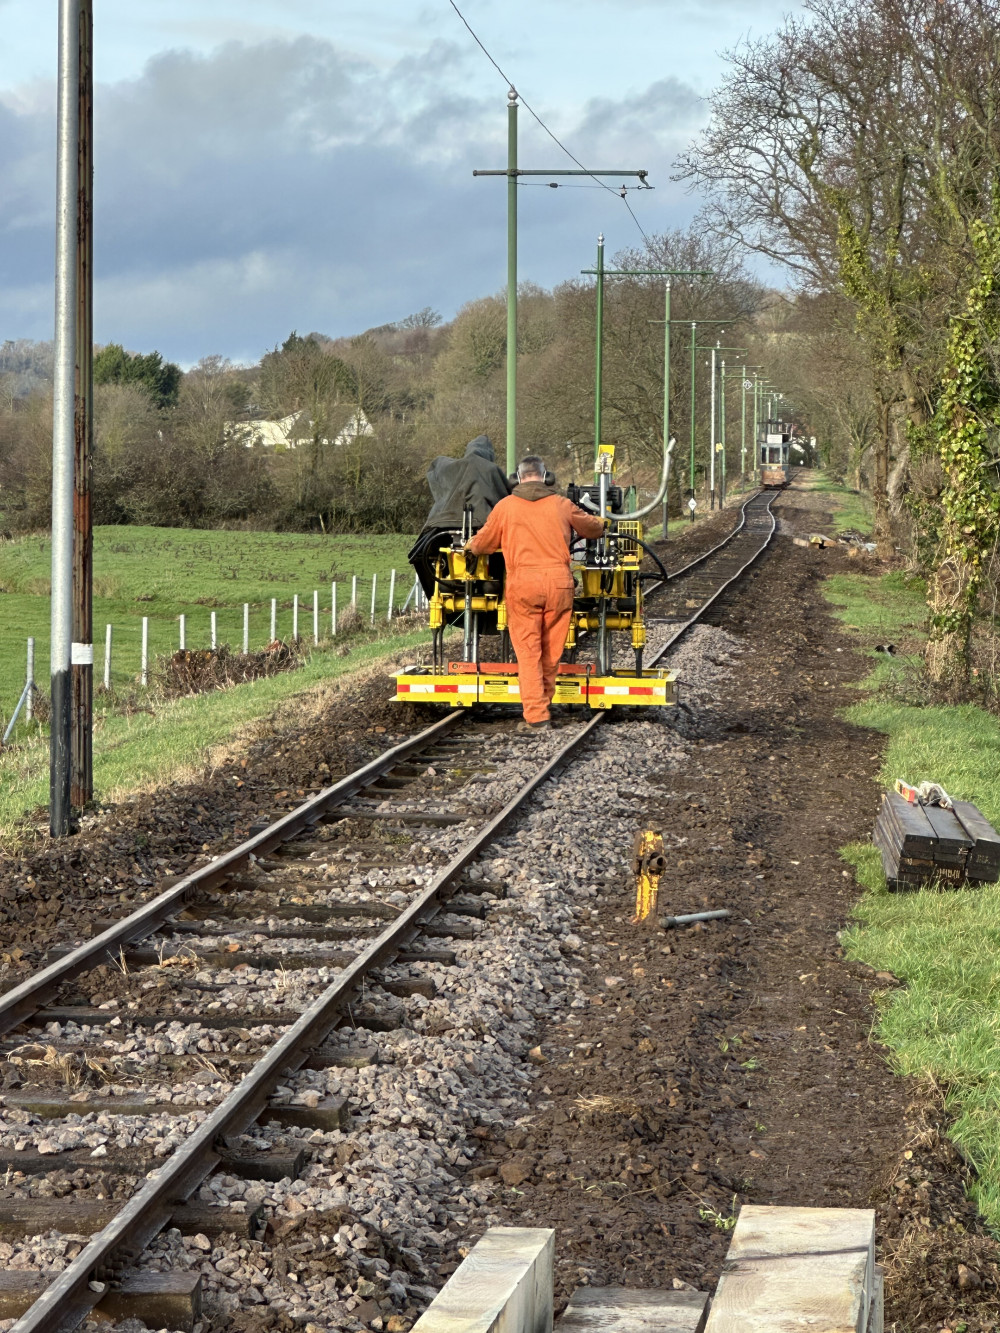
(531, 466)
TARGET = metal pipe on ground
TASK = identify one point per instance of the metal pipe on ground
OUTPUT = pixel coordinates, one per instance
(668, 922)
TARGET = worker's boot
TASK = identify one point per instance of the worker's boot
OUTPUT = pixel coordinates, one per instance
(535, 726)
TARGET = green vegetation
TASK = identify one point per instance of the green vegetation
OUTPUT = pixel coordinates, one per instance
(170, 739)
(881, 609)
(944, 1025)
(162, 573)
(854, 508)
(161, 379)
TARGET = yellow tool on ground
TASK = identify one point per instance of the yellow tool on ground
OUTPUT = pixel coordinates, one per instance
(648, 864)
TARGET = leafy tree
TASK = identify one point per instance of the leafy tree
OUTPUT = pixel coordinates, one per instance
(161, 379)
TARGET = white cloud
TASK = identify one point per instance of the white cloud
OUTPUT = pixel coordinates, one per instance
(287, 184)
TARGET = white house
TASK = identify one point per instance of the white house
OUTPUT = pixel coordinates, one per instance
(292, 431)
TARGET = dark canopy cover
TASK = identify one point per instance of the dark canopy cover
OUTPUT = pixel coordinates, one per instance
(456, 482)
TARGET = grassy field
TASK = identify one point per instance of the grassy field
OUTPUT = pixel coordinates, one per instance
(943, 1026)
(852, 510)
(156, 747)
(163, 573)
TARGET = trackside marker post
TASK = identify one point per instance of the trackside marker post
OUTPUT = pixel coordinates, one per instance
(183, 631)
(374, 587)
(246, 628)
(333, 609)
(215, 632)
(315, 616)
(274, 618)
(354, 590)
(29, 684)
(107, 657)
(295, 618)
(392, 593)
(144, 671)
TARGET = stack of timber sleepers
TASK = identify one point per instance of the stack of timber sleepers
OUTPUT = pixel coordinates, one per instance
(925, 843)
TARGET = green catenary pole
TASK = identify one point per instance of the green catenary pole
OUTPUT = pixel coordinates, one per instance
(599, 351)
(743, 427)
(511, 281)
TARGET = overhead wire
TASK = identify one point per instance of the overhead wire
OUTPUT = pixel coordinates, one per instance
(534, 114)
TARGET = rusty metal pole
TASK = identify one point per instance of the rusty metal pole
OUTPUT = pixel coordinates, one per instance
(82, 737)
(63, 416)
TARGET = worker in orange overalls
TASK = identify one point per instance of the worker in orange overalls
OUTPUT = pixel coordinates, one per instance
(533, 527)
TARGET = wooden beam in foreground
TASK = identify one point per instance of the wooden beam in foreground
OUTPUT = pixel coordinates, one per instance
(790, 1269)
(503, 1286)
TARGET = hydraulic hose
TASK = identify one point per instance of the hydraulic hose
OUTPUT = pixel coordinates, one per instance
(648, 509)
(652, 555)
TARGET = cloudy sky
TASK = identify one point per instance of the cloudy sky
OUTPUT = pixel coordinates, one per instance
(264, 165)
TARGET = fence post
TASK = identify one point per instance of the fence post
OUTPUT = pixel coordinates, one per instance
(215, 632)
(315, 616)
(333, 609)
(392, 592)
(274, 618)
(29, 683)
(354, 589)
(183, 620)
(295, 618)
(107, 657)
(374, 587)
(246, 628)
(144, 673)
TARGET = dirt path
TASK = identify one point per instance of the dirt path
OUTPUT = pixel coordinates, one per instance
(733, 1063)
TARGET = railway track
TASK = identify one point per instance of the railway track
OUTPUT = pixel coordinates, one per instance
(219, 1005)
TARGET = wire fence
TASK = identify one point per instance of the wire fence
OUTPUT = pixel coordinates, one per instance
(127, 651)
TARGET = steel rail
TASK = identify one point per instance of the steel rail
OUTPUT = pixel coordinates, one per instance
(80, 1287)
(700, 559)
(72, 1296)
(22, 1001)
(693, 620)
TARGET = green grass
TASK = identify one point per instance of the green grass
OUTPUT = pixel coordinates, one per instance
(853, 509)
(162, 573)
(881, 609)
(944, 1025)
(155, 748)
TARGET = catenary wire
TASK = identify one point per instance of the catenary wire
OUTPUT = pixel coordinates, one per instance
(532, 112)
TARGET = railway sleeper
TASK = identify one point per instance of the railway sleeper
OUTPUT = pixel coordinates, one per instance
(251, 1164)
(158, 1300)
(330, 1113)
(318, 912)
(84, 1217)
(433, 819)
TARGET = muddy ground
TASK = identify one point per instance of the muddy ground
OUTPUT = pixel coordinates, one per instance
(734, 1062)
(713, 1066)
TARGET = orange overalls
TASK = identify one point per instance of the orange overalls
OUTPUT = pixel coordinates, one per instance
(533, 527)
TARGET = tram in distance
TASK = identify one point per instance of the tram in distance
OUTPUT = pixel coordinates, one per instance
(607, 622)
(774, 442)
